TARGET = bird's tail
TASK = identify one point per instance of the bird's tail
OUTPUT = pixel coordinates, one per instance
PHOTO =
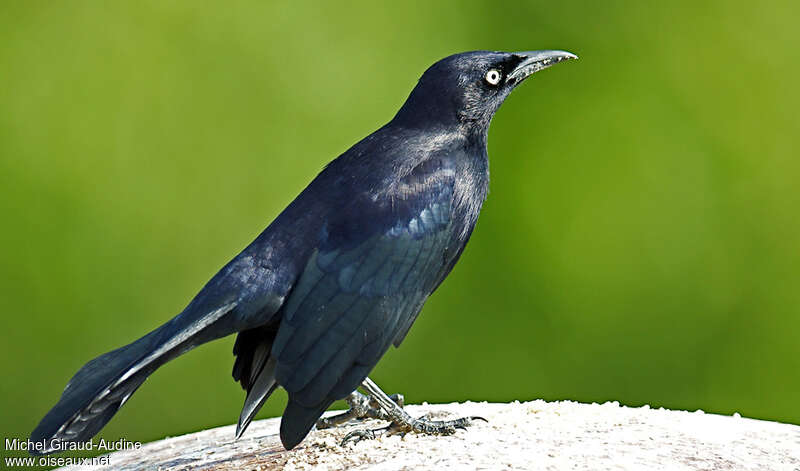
(100, 387)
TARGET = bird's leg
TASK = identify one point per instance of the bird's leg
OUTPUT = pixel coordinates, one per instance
(402, 422)
(361, 406)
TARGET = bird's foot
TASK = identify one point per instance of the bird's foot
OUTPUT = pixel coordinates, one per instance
(366, 434)
(361, 407)
(434, 427)
(419, 425)
(401, 422)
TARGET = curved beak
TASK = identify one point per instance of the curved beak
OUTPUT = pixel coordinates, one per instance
(534, 61)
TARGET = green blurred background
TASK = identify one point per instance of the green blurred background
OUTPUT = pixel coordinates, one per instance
(640, 242)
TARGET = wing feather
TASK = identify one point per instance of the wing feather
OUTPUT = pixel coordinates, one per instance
(364, 285)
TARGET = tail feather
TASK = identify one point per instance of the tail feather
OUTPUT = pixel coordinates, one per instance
(102, 386)
(258, 393)
(255, 370)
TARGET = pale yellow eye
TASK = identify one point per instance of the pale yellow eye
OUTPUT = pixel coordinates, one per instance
(493, 77)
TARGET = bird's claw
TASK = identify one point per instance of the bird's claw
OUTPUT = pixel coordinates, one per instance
(378, 405)
(436, 427)
(420, 425)
(358, 435)
(361, 407)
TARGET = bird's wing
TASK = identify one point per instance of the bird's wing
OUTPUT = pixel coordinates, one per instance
(376, 265)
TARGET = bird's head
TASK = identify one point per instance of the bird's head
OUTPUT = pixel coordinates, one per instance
(466, 89)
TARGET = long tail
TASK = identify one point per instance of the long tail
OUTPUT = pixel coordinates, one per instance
(100, 387)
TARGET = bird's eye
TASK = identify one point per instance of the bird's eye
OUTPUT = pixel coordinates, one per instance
(493, 77)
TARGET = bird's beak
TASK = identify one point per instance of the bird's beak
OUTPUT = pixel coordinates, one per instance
(534, 61)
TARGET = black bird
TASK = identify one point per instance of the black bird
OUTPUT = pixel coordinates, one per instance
(341, 273)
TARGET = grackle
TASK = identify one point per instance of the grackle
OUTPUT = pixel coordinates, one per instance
(341, 274)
